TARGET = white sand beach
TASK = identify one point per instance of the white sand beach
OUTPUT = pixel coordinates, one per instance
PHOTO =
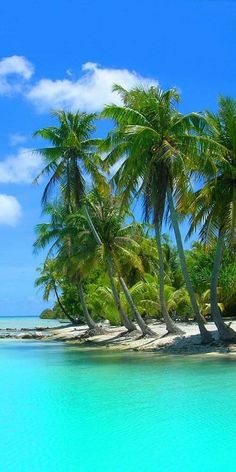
(117, 338)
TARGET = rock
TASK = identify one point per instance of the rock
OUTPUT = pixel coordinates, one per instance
(24, 336)
(31, 335)
(150, 320)
(98, 331)
(37, 335)
(106, 323)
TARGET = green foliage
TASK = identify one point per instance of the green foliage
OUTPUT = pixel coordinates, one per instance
(214, 205)
(156, 148)
(200, 261)
(70, 156)
(160, 145)
(48, 314)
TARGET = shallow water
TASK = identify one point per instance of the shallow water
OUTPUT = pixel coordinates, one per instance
(66, 410)
(18, 322)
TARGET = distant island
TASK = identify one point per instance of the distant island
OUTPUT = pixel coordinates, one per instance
(50, 314)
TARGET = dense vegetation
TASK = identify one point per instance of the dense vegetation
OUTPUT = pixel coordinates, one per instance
(101, 263)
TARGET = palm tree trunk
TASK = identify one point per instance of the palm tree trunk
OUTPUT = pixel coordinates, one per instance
(206, 337)
(92, 227)
(127, 323)
(143, 326)
(225, 332)
(170, 324)
(125, 320)
(61, 305)
(91, 324)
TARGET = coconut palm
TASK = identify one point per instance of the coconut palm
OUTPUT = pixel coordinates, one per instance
(50, 280)
(158, 147)
(116, 243)
(214, 205)
(69, 157)
(70, 246)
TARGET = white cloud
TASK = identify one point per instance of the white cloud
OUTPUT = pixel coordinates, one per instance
(10, 210)
(14, 72)
(20, 168)
(17, 138)
(16, 65)
(89, 93)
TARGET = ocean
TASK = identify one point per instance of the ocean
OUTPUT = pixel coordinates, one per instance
(68, 409)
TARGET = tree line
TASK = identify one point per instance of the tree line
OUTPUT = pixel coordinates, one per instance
(103, 263)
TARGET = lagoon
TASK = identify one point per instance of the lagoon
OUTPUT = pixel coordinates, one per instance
(68, 409)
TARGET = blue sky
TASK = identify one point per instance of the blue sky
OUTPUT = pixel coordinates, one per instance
(67, 53)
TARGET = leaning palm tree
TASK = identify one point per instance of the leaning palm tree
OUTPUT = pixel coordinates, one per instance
(214, 206)
(70, 247)
(116, 244)
(95, 238)
(49, 280)
(158, 146)
(70, 157)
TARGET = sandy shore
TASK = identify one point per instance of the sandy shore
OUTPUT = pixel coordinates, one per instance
(117, 338)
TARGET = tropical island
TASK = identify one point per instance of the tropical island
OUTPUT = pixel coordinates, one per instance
(116, 274)
(118, 236)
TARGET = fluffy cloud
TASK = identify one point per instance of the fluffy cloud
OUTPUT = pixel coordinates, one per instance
(10, 210)
(17, 138)
(14, 72)
(20, 168)
(89, 93)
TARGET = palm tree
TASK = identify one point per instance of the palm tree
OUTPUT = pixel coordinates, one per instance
(214, 206)
(116, 244)
(70, 158)
(70, 245)
(158, 146)
(50, 281)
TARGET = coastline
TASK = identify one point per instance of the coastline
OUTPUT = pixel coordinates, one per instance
(117, 338)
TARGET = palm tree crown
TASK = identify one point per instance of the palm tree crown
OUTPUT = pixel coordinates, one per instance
(214, 204)
(71, 157)
(157, 144)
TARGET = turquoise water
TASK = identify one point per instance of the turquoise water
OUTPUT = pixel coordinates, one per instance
(18, 322)
(66, 410)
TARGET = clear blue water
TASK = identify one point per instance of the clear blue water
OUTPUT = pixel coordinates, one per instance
(63, 410)
(18, 322)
